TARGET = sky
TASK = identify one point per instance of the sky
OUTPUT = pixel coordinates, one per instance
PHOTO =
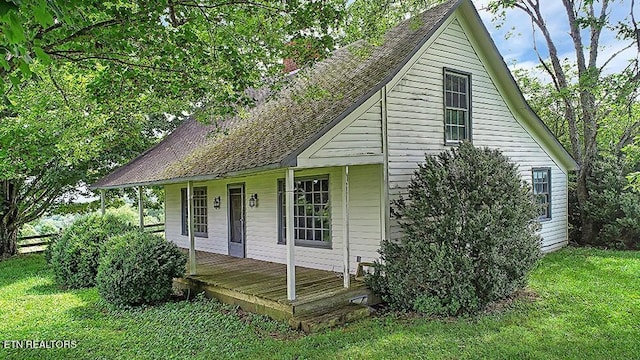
(518, 49)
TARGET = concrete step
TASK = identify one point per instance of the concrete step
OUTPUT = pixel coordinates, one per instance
(322, 319)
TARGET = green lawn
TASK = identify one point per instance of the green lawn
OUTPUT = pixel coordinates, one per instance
(587, 307)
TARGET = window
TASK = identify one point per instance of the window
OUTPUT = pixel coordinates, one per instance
(311, 214)
(542, 191)
(457, 100)
(199, 211)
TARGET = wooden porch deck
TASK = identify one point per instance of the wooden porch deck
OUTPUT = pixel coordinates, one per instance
(261, 287)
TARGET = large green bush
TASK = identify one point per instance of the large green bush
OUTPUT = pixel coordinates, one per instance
(75, 254)
(469, 235)
(613, 208)
(138, 268)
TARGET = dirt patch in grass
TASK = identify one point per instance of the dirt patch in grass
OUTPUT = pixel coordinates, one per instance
(526, 295)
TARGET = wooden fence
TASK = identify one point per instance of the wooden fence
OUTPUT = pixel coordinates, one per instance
(39, 243)
(154, 228)
(34, 243)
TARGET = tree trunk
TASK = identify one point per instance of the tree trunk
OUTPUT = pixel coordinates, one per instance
(8, 241)
(587, 234)
(9, 220)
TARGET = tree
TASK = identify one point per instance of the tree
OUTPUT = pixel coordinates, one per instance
(182, 52)
(586, 99)
(85, 83)
(50, 142)
(370, 19)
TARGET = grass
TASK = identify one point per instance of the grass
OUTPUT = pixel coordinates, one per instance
(587, 307)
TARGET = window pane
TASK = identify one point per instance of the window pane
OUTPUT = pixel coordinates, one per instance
(542, 191)
(456, 105)
(311, 213)
(200, 209)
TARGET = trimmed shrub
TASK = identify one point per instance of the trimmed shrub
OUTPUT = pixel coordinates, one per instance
(74, 256)
(468, 235)
(138, 268)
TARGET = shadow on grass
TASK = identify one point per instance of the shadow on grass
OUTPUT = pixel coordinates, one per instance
(87, 312)
(46, 289)
(22, 267)
(582, 264)
(571, 253)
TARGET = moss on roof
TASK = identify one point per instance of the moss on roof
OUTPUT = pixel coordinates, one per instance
(315, 100)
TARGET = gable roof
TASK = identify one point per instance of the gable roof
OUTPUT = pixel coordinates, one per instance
(275, 132)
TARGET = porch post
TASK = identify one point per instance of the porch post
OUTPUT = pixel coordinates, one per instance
(291, 263)
(192, 239)
(102, 207)
(345, 227)
(385, 209)
(140, 208)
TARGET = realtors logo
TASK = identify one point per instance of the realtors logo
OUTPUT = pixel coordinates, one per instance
(39, 344)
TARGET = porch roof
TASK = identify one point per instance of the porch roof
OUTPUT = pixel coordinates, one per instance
(277, 131)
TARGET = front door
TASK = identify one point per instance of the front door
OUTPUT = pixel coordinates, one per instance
(236, 221)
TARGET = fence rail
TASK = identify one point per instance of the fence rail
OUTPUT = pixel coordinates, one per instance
(34, 243)
(154, 228)
(38, 243)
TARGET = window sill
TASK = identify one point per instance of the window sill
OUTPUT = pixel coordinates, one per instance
(456, 143)
(321, 245)
(544, 220)
(199, 235)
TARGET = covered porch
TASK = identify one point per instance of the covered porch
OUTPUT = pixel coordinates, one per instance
(261, 287)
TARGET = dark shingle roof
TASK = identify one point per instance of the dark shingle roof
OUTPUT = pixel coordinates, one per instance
(273, 133)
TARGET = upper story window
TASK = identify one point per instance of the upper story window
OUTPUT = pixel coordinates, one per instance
(542, 191)
(457, 108)
(199, 211)
(311, 212)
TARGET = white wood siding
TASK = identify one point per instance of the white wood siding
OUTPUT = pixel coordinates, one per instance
(262, 222)
(361, 137)
(356, 140)
(415, 125)
(364, 213)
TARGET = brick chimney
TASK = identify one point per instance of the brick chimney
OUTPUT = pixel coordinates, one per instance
(289, 65)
